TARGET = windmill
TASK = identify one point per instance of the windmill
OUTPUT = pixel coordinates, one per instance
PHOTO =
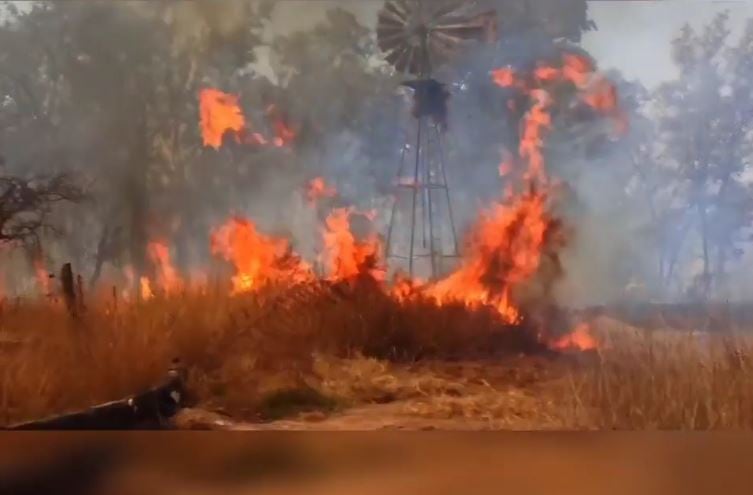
(416, 38)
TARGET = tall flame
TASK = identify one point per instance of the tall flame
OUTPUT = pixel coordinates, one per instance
(347, 258)
(220, 113)
(505, 250)
(167, 276)
(42, 276)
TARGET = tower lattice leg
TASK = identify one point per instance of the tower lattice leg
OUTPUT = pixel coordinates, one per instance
(421, 235)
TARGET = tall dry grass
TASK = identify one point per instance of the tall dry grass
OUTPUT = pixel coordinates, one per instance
(251, 356)
(238, 350)
(683, 380)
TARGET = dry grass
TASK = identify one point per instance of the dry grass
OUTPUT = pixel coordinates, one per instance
(239, 351)
(666, 380)
(277, 353)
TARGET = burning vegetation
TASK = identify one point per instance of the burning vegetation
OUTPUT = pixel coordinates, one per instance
(269, 329)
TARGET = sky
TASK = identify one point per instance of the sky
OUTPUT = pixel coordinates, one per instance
(633, 36)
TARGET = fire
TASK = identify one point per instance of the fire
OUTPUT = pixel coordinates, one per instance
(146, 289)
(318, 189)
(257, 259)
(42, 276)
(220, 113)
(535, 123)
(167, 276)
(284, 133)
(511, 241)
(505, 251)
(579, 339)
(593, 89)
(345, 257)
(405, 288)
(504, 77)
(506, 166)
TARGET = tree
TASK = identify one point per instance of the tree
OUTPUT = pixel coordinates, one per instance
(25, 205)
(705, 119)
(110, 91)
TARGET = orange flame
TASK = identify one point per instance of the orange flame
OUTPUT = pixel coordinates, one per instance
(505, 251)
(405, 288)
(42, 276)
(167, 276)
(579, 339)
(284, 134)
(146, 289)
(220, 113)
(318, 189)
(506, 166)
(504, 77)
(257, 259)
(536, 121)
(345, 257)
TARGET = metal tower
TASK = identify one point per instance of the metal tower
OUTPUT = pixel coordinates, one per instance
(416, 37)
(422, 207)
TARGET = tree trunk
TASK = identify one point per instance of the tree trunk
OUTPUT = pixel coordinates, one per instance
(705, 241)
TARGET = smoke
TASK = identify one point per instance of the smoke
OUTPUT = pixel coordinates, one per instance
(610, 257)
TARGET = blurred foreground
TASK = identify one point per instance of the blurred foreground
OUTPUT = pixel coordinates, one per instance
(386, 463)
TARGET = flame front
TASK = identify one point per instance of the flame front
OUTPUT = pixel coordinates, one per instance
(257, 259)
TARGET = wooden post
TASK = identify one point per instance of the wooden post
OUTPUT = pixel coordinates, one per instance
(80, 293)
(69, 290)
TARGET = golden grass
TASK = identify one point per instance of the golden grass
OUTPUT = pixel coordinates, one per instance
(337, 348)
(666, 380)
(238, 350)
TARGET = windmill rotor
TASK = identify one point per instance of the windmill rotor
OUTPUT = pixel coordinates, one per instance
(417, 36)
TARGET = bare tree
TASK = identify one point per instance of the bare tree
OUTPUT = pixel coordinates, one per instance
(25, 205)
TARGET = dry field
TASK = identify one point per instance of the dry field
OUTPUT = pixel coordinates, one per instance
(340, 359)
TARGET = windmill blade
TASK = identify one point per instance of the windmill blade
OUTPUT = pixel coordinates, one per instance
(400, 25)
(397, 11)
(477, 28)
(390, 42)
(394, 55)
(450, 7)
(403, 60)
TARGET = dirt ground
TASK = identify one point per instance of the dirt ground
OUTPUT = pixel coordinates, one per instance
(515, 394)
